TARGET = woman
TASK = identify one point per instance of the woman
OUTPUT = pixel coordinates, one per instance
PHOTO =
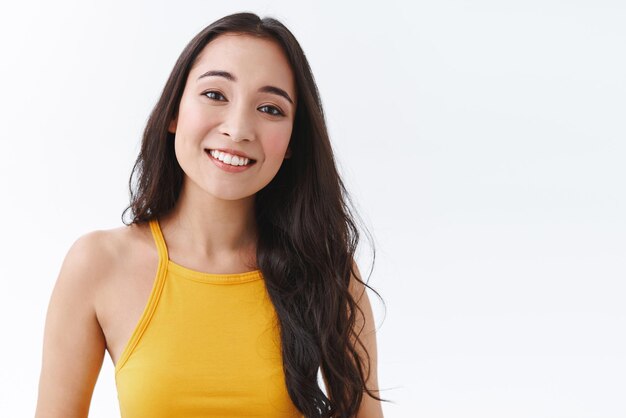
(235, 177)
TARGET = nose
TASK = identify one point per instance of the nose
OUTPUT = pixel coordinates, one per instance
(238, 124)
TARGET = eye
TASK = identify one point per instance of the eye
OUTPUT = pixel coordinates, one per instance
(272, 110)
(214, 95)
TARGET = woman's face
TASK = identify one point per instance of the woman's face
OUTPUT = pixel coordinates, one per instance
(239, 100)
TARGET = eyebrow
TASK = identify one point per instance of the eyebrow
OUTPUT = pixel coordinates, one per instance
(265, 89)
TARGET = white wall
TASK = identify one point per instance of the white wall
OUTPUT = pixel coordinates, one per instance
(484, 143)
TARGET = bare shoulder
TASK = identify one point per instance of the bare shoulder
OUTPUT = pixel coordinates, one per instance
(93, 252)
(102, 253)
(92, 257)
(94, 263)
(118, 258)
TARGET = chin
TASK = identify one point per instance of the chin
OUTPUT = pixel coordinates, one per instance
(229, 195)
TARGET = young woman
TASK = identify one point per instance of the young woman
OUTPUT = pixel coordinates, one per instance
(234, 283)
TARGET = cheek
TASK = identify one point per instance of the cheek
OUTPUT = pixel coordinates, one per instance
(277, 140)
(194, 120)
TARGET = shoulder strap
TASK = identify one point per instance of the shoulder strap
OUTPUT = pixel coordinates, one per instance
(158, 239)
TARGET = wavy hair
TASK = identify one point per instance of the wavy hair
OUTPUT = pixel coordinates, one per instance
(307, 230)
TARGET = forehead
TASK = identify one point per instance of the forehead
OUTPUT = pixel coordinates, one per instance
(250, 59)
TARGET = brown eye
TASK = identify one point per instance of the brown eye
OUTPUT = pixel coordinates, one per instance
(214, 95)
(272, 110)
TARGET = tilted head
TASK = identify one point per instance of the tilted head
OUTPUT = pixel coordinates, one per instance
(300, 136)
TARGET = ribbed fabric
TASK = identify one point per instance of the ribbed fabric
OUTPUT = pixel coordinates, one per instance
(207, 345)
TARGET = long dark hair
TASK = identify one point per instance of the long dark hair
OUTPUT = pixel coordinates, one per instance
(306, 223)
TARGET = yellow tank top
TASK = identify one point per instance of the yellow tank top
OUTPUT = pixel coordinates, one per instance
(206, 345)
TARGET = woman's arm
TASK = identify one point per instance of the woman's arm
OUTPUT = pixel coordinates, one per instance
(74, 345)
(370, 407)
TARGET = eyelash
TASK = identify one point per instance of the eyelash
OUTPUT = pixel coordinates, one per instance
(273, 110)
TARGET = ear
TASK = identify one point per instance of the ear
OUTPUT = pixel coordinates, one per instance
(173, 124)
(288, 152)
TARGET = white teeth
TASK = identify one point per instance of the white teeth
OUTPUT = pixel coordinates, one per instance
(229, 158)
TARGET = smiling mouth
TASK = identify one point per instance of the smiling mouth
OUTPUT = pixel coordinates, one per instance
(230, 159)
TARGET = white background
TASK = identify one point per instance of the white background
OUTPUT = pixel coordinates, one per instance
(483, 141)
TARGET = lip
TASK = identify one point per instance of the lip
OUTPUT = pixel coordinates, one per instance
(231, 151)
(227, 167)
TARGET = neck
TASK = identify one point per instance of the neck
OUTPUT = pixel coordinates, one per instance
(202, 226)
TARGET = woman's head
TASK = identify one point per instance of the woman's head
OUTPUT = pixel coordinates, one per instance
(235, 117)
(180, 127)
